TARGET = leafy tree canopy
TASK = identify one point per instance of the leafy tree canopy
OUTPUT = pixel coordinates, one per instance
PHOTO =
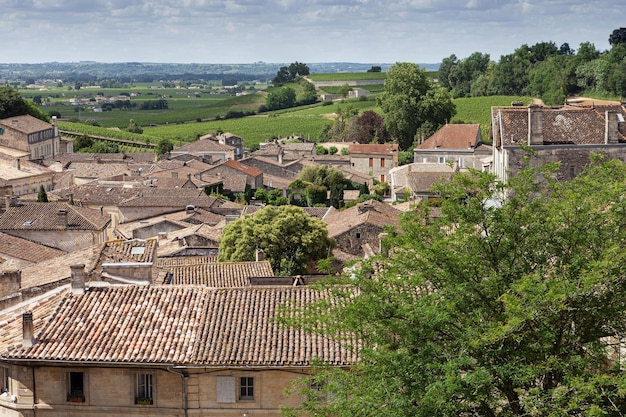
(410, 99)
(499, 307)
(288, 236)
(617, 36)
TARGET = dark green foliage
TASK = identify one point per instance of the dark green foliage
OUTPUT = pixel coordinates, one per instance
(288, 237)
(11, 103)
(164, 146)
(411, 99)
(281, 98)
(375, 68)
(498, 307)
(82, 142)
(160, 104)
(618, 36)
(287, 74)
(133, 127)
(42, 196)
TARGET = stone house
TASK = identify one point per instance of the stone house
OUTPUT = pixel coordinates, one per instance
(27, 133)
(207, 149)
(23, 176)
(460, 144)
(357, 229)
(418, 178)
(58, 225)
(567, 134)
(374, 159)
(235, 175)
(177, 350)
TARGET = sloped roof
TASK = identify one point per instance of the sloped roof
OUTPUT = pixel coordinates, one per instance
(17, 247)
(171, 261)
(57, 269)
(43, 216)
(453, 136)
(180, 325)
(422, 181)
(204, 145)
(98, 170)
(369, 212)
(218, 274)
(25, 124)
(561, 125)
(246, 169)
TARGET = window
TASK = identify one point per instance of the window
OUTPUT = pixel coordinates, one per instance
(246, 388)
(76, 384)
(460, 162)
(144, 390)
(371, 162)
(4, 382)
(382, 177)
(442, 159)
(382, 162)
(358, 235)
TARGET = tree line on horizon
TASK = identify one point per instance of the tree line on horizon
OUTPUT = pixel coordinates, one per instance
(542, 70)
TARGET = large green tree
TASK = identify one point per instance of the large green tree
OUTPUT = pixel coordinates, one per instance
(289, 237)
(411, 99)
(498, 307)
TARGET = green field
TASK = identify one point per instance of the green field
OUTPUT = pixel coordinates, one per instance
(193, 112)
(348, 76)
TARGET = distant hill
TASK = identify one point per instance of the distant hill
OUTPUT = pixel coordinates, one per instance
(145, 70)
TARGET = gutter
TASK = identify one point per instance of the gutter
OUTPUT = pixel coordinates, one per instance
(185, 378)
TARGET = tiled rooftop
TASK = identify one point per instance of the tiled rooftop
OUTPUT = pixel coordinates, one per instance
(43, 216)
(371, 212)
(17, 247)
(562, 125)
(25, 124)
(219, 274)
(453, 136)
(178, 325)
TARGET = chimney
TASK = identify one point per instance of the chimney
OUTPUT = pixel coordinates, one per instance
(535, 125)
(281, 153)
(14, 122)
(78, 278)
(17, 164)
(28, 335)
(190, 209)
(611, 127)
(259, 255)
(62, 219)
(189, 176)
(54, 126)
(7, 202)
(162, 235)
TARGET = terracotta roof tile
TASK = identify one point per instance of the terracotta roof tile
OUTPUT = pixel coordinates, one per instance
(371, 212)
(453, 136)
(180, 325)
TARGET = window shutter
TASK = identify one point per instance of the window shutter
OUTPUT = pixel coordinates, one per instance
(226, 389)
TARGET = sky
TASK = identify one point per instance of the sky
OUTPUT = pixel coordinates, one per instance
(284, 31)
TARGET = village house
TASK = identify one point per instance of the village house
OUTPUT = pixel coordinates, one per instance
(206, 149)
(235, 176)
(17, 253)
(567, 134)
(459, 144)
(357, 229)
(22, 176)
(177, 350)
(374, 159)
(416, 180)
(57, 225)
(29, 134)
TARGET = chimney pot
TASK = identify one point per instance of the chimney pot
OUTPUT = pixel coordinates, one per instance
(259, 255)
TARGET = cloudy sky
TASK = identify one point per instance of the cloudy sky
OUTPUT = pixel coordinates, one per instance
(283, 31)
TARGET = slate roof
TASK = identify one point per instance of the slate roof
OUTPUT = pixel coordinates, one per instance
(178, 325)
(219, 274)
(453, 136)
(43, 216)
(561, 125)
(17, 247)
